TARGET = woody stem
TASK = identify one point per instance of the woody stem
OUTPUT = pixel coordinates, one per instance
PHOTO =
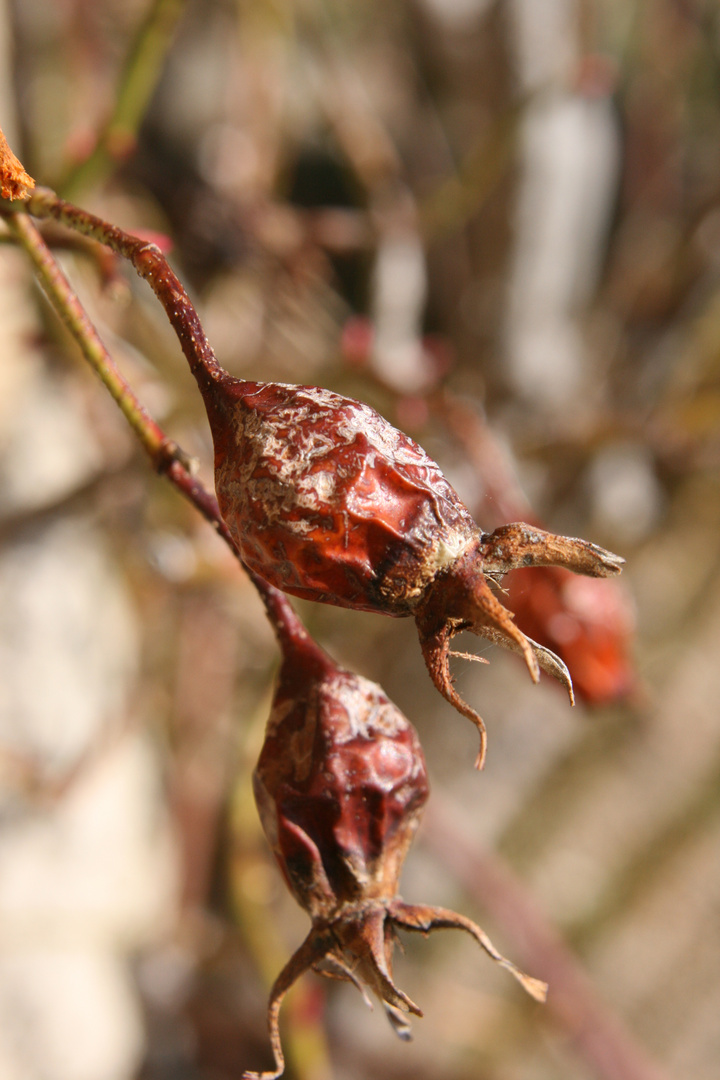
(151, 264)
(166, 456)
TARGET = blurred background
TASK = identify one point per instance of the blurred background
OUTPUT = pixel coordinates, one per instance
(498, 223)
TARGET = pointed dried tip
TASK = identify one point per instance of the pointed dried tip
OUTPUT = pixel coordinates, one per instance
(332, 967)
(313, 949)
(399, 1022)
(436, 653)
(365, 940)
(536, 988)
(424, 919)
(517, 545)
(549, 661)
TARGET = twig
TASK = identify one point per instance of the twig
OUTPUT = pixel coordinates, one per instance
(66, 303)
(151, 264)
(166, 456)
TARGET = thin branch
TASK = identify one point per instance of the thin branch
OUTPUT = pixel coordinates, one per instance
(151, 264)
(166, 456)
(68, 306)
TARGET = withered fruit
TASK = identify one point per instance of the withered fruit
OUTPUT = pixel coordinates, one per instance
(340, 787)
(328, 501)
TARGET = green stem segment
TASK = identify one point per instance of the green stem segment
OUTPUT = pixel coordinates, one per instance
(66, 303)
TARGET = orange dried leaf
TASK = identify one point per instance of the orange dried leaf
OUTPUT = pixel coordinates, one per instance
(15, 183)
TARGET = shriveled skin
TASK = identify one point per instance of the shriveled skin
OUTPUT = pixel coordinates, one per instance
(340, 786)
(330, 502)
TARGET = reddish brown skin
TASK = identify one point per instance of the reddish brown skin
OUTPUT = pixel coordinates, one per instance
(340, 785)
(588, 623)
(327, 500)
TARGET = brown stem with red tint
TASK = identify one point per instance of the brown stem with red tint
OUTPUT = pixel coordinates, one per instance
(166, 456)
(150, 264)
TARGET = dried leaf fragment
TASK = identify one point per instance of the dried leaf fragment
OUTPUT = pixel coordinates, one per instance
(15, 183)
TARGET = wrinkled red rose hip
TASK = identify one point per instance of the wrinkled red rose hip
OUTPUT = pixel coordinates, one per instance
(340, 786)
(329, 501)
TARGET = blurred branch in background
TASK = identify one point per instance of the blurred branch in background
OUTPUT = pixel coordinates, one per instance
(569, 150)
(598, 1036)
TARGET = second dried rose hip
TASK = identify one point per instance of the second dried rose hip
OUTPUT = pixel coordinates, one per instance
(330, 502)
(340, 786)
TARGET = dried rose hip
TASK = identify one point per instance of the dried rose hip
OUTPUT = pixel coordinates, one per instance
(588, 623)
(340, 787)
(328, 501)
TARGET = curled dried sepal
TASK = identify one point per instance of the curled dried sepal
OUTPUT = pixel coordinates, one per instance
(460, 598)
(15, 183)
(357, 947)
(589, 622)
(423, 918)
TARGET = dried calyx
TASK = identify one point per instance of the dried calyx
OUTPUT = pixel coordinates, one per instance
(340, 786)
(330, 502)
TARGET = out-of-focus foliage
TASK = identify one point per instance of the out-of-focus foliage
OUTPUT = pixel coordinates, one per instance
(419, 203)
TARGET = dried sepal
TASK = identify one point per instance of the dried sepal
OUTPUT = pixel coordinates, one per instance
(517, 545)
(425, 919)
(465, 591)
(312, 951)
(357, 947)
(588, 622)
